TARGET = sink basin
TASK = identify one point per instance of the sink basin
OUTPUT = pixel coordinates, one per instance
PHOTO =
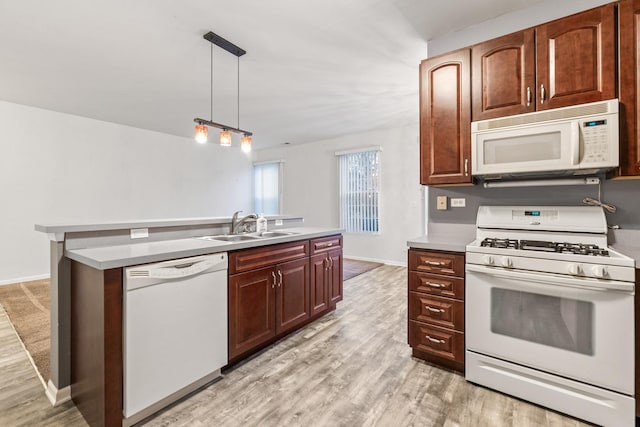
(252, 236)
(266, 234)
(230, 237)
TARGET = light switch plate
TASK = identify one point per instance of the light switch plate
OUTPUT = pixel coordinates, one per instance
(139, 233)
(458, 203)
(441, 203)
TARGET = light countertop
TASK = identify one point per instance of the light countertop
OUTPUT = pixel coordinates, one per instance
(116, 256)
(445, 237)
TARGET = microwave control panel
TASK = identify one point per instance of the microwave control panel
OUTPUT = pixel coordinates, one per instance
(595, 137)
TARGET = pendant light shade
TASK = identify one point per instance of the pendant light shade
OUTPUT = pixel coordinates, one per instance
(201, 133)
(202, 125)
(245, 143)
(225, 138)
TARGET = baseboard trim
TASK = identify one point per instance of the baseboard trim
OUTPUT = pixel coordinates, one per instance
(57, 397)
(381, 261)
(23, 279)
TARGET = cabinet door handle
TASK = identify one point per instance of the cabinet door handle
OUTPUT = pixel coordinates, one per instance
(273, 285)
(438, 263)
(435, 310)
(542, 94)
(435, 340)
(331, 260)
(528, 96)
(466, 167)
(326, 260)
(280, 276)
(434, 285)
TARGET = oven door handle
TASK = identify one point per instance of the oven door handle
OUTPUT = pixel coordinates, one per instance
(546, 278)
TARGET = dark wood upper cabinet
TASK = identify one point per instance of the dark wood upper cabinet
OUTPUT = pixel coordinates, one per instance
(445, 119)
(565, 62)
(629, 76)
(576, 59)
(503, 76)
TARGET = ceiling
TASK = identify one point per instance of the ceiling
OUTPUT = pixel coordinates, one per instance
(314, 69)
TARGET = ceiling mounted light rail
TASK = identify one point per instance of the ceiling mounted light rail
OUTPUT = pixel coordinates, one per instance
(202, 125)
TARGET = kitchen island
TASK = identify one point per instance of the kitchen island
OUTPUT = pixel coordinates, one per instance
(86, 295)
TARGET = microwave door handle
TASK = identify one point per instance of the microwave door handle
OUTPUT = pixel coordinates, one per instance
(580, 283)
(575, 142)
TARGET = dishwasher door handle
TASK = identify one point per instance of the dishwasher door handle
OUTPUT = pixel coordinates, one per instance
(181, 270)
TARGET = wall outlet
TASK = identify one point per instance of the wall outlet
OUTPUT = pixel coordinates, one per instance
(441, 203)
(139, 233)
(458, 203)
(278, 222)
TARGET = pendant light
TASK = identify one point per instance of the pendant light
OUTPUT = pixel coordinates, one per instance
(201, 129)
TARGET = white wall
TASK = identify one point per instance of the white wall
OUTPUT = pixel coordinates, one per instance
(542, 12)
(57, 167)
(311, 189)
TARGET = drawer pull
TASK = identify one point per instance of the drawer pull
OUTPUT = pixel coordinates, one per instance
(329, 244)
(434, 262)
(435, 340)
(435, 310)
(435, 285)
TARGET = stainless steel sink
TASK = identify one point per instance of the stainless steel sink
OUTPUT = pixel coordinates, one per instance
(248, 236)
(267, 234)
(230, 237)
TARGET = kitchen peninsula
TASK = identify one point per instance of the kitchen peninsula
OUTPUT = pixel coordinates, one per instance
(87, 264)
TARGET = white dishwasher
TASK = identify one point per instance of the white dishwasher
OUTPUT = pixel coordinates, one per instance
(175, 330)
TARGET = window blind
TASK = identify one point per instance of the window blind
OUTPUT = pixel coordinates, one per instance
(266, 188)
(359, 191)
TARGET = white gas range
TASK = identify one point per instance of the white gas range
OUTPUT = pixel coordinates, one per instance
(549, 314)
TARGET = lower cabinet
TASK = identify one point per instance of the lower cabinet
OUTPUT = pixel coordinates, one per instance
(326, 280)
(276, 289)
(267, 302)
(436, 307)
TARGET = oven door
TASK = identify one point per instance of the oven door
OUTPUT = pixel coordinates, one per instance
(578, 328)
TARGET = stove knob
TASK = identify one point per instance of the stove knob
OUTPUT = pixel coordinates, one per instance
(506, 262)
(599, 271)
(487, 259)
(575, 269)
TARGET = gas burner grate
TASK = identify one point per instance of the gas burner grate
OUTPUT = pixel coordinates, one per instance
(581, 249)
(544, 246)
(500, 243)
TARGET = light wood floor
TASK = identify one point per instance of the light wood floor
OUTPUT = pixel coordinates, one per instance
(351, 368)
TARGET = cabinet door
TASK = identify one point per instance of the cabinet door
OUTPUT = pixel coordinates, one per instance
(445, 119)
(629, 76)
(502, 73)
(576, 59)
(319, 283)
(251, 309)
(292, 293)
(335, 276)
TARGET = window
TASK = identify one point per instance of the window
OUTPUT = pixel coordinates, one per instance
(359, 190)
(267, 184)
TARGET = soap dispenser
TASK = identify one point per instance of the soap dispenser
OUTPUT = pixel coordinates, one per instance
(261, 224)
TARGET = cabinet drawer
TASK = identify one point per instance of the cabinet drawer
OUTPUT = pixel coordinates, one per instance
(440, 342)
(251, 259)
(445, 312)
(452, 287)
(436, 262)
(325, 244)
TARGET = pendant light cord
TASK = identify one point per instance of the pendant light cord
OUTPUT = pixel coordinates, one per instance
(238, 68)
(211, 82)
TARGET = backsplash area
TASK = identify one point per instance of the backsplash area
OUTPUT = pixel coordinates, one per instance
(625, 195)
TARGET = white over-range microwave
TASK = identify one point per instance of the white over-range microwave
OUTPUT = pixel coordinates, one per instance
(577, 140)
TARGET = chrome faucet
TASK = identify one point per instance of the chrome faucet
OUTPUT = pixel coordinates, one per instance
(236, 223)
